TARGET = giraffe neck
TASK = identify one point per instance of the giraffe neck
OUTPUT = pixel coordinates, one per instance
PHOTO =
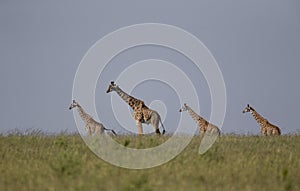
(260, 120)
(84, 116)
(197, 118)
(131, 101)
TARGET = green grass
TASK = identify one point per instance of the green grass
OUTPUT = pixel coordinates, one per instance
(63, 162)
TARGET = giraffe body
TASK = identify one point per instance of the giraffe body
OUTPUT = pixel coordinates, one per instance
(267, 129)
(141, 113)
(204, 126)
(91, 126)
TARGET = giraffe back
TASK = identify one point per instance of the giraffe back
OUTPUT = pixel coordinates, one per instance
(94, 127)
(271, 130)
(209, 128)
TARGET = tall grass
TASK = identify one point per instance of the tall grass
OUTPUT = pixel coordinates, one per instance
(63, 162)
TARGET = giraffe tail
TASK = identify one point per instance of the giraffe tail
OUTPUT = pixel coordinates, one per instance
(111, 131)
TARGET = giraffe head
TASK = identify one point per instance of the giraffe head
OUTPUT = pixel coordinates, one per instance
(183, 108)
(73, 104)
(248, 109)
(112, 87)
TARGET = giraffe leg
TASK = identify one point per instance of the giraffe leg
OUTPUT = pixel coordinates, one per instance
(139, 127)
(97, 129)
(215, 131)
(155, 123)
(269, 132)
(93, 129)
(218, 132)
(90, 131)
(202, 131)
(87, 129)
(275, 132)
(101, 129)
(263, 131)
(156, 130)
(278, 132)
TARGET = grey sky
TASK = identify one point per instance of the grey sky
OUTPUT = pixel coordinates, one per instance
(256, 44)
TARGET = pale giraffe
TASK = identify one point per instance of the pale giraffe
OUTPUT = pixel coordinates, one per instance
(141, 113)
(91, 126)
(267, 128)
(204, 126)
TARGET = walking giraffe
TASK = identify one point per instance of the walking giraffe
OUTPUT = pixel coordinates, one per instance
(267, 128)
(141, 113)
(205, 126)
(91, 126)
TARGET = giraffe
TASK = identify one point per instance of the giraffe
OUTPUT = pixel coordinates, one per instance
(91, 126)
(267, 129)
(204, 126)
(141, 113)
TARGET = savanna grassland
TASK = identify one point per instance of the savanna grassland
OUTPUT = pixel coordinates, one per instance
(64, 162)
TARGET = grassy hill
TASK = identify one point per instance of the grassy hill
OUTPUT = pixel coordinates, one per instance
(64, 162)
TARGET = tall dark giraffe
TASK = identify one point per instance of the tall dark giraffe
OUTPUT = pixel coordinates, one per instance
(141, 113)
(91, 126)
(267, 128)
(204, 125)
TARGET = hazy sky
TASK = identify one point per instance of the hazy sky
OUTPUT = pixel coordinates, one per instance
(256, 44)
